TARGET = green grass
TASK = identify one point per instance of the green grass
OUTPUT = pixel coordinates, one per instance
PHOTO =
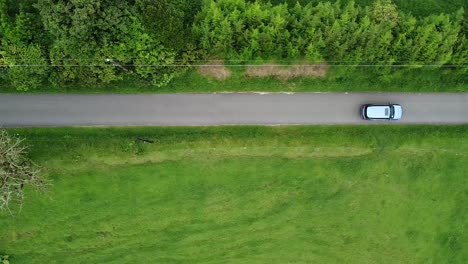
(338, 79)
(321, 194)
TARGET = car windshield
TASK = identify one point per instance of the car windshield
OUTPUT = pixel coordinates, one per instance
(392, 111)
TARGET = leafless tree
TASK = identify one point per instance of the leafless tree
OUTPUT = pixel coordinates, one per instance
(16, 172)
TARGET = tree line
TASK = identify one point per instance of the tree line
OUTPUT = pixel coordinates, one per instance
(330, 32)
(93, 42)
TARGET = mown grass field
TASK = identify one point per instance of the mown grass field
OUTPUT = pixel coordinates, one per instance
(322, 194)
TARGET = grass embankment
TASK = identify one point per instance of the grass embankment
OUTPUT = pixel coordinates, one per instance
(338, 79)
(341, 194)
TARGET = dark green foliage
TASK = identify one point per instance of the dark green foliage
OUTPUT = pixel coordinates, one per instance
(73, 40)
(22, 42)
(28, 77)
(234, 29)
(94, 23)
(460, 55)
(20, 23)
(92, 42)
(169, 21)
(82, 31)
(460, 51)
(148, 56)
(343, 34)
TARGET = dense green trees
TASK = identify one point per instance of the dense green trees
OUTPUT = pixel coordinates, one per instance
(233, 28)
(338, 33)
(88, 33)
(163, 21)
(92, 42)
(33, 73)
(22, 37)
(460, 51)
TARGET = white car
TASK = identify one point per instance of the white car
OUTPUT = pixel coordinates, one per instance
(381, 112)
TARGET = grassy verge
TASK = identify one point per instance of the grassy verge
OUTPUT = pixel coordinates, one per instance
(341, 194)
(338, 79)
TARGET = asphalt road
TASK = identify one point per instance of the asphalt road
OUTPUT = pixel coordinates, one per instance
(224, 109)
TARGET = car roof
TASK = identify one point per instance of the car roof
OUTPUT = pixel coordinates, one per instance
(378, 111)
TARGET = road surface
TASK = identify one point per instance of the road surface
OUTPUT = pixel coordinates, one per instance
(224, 109)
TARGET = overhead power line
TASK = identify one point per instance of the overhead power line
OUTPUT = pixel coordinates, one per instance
(240, 65)
(256, 60)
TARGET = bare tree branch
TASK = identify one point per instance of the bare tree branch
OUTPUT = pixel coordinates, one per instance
(16, 172)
